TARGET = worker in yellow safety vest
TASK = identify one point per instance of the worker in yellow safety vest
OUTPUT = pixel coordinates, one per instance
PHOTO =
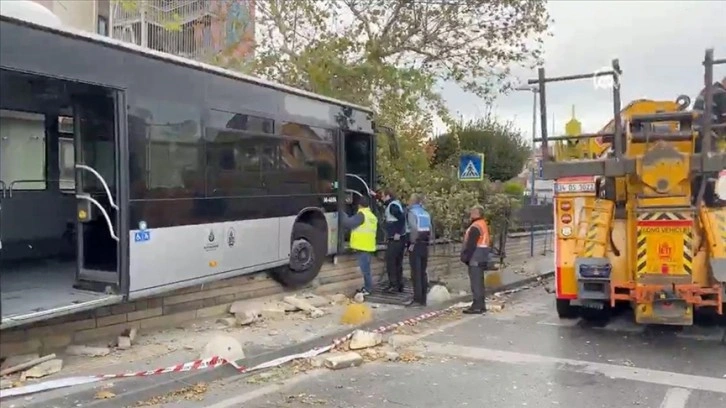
(475, 254)
(363, 225)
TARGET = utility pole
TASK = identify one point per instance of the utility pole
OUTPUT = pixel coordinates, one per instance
(532, 198)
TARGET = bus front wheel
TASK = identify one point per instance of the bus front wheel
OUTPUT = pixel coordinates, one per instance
(307, 254)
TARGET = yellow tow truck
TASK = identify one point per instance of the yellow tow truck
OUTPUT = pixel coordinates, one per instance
(640, 217)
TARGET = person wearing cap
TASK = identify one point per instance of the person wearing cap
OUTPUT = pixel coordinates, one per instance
(475, 254)
(419, 227)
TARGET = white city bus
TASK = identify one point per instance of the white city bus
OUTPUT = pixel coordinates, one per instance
(126, 172)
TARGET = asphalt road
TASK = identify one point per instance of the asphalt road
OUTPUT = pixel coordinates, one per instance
(522, 356)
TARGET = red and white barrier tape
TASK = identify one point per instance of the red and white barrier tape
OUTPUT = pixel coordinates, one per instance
(207, 363)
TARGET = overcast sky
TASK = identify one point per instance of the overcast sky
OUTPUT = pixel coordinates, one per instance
(660, 45)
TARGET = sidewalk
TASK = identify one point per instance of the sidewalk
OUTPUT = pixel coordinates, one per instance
(262, 341)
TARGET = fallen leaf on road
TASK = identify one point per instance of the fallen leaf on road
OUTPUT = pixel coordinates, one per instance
(104, 394)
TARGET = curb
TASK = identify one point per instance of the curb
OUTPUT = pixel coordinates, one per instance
(135, 390)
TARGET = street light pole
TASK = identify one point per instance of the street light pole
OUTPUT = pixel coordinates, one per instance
(532, 199)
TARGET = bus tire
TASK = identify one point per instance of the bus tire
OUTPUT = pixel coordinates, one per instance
(307, 254)
(565, 310)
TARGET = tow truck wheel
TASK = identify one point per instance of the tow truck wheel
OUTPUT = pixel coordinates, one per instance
(565, 310)
(596, 315)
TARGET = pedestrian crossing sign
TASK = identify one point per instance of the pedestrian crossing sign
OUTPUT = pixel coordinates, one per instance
(471, 167)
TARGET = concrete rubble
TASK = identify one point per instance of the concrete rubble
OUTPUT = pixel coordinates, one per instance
(226, 347)
(438, 294)
(337, 361)
(364, 339)
(123, 343)
(43, 369)
(269, 317)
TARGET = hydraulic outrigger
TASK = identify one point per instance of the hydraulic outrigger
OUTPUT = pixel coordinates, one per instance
(641, 225)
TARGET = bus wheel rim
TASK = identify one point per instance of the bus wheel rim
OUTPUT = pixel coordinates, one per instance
(302, 255)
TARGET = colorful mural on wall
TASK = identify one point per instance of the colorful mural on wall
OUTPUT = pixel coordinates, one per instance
(231, 32)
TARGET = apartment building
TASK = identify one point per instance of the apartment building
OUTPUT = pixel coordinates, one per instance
(87, 15)
(205, 30)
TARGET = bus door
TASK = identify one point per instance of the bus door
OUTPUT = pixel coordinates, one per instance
(96, 141)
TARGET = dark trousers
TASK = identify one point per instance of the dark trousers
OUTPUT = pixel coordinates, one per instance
(394, 262)
(419, 259)
(476, 279)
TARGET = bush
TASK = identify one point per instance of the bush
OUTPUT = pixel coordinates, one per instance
(447, 199)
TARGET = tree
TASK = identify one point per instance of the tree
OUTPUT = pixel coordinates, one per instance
(471, 42)
(505, 151)
(390, 55)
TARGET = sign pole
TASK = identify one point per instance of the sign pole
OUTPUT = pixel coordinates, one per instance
(532, 199)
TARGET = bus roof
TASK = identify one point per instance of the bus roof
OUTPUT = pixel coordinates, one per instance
(111, 42)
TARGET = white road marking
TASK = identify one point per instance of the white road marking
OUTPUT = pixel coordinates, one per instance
(667, 378)
(557, 322)
(676, 398)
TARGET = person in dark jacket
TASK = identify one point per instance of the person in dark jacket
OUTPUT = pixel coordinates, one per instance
(475, 254)
(420, 229)
(395, 218)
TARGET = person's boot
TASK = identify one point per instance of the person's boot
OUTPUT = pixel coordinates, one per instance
(475, 309)
(414, 303)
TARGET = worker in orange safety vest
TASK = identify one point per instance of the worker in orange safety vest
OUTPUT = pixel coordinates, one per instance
(475, 254)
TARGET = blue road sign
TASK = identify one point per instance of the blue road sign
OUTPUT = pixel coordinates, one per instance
(471, 167)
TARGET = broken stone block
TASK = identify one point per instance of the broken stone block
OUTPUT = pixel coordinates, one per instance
(315, 313)
(5, 383)
(13, 361)
(495, 307)
(339, 299)
(315, 300)
(359, 298)
(276, 313)
(245, 318)
(301, 304)
(88, 351)
(317, 362)
(43, 369)
(392, 356)
(400, 340)
(463, 293)
(226, 347)
(437, 295)
(364, 339)
(343, 360)
(123, 343)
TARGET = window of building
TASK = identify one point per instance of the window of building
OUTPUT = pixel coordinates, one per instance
(22, 150)
(102, 27)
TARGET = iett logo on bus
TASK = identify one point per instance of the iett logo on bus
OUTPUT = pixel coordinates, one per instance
(602, 79)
